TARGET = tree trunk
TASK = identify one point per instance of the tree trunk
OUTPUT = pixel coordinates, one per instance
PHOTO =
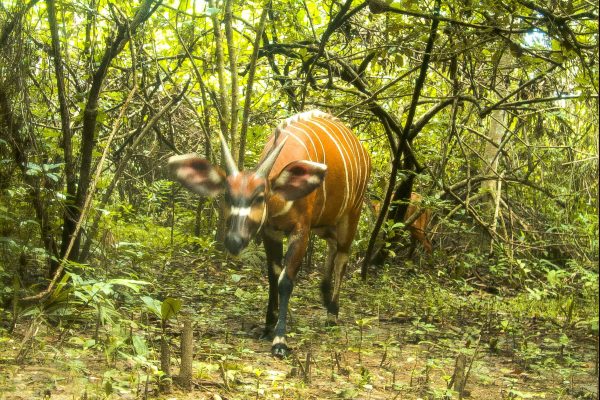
(165, 364)
(69, 215)
(249, 84)
(187, 355)
(90, 113)
(234, 75)
(496, 132)
(223, 107)
(403, 141)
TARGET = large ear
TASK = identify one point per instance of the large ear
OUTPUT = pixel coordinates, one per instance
(298, 179)
(197, 174)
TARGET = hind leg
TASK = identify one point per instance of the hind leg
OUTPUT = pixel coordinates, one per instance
(346, 229)
(326, 286)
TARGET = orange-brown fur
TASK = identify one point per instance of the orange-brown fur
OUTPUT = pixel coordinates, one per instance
(312, 176)
(417, 228)
(318, 200)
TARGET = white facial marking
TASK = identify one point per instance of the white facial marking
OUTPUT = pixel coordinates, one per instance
(240, 211)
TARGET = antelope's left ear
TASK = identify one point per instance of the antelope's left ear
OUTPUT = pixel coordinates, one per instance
(299, 178)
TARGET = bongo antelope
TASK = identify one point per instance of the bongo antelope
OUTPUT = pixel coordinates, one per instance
(417, 227)
(312, 175)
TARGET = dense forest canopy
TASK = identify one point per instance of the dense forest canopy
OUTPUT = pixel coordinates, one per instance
(487, 109)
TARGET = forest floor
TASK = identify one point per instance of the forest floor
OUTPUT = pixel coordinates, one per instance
(400, 336)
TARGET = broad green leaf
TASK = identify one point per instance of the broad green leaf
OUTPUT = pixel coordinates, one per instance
(130, 283)
(139, 345)
(153, 305)
(169, 308)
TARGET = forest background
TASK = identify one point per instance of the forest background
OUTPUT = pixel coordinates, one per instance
(488, 109)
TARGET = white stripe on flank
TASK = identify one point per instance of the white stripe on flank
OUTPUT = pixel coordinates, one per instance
(359, 156)
(362, 162)
(306, 134)
(301, 143)
(314, 125)
(324, 185)
(358, 153)
(351, 160)
(346, 188)
(366, 166)
(367, 163)
(310, 131)
(351, 140)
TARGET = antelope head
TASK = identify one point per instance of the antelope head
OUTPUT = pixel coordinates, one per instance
(246, 193)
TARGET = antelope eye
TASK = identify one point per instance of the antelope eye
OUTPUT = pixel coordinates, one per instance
(259, 199)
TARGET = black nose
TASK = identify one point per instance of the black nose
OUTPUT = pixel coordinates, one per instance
(234, 243)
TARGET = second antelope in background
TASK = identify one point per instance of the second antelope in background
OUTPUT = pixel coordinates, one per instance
(312, 176)
(417, 228)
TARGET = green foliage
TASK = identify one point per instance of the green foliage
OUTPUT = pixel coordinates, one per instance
(165, 310)
(76, 299)
(510, 98)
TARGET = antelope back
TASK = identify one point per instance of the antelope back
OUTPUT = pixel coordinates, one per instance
(321, 138)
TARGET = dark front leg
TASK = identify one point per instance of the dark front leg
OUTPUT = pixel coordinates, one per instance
(274, 251)
(285, 285)
(293, 258)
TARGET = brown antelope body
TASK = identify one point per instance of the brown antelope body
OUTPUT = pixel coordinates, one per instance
(312, 176)
(418, 226)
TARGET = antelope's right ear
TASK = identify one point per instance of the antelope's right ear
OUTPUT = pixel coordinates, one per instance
(197, 174)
